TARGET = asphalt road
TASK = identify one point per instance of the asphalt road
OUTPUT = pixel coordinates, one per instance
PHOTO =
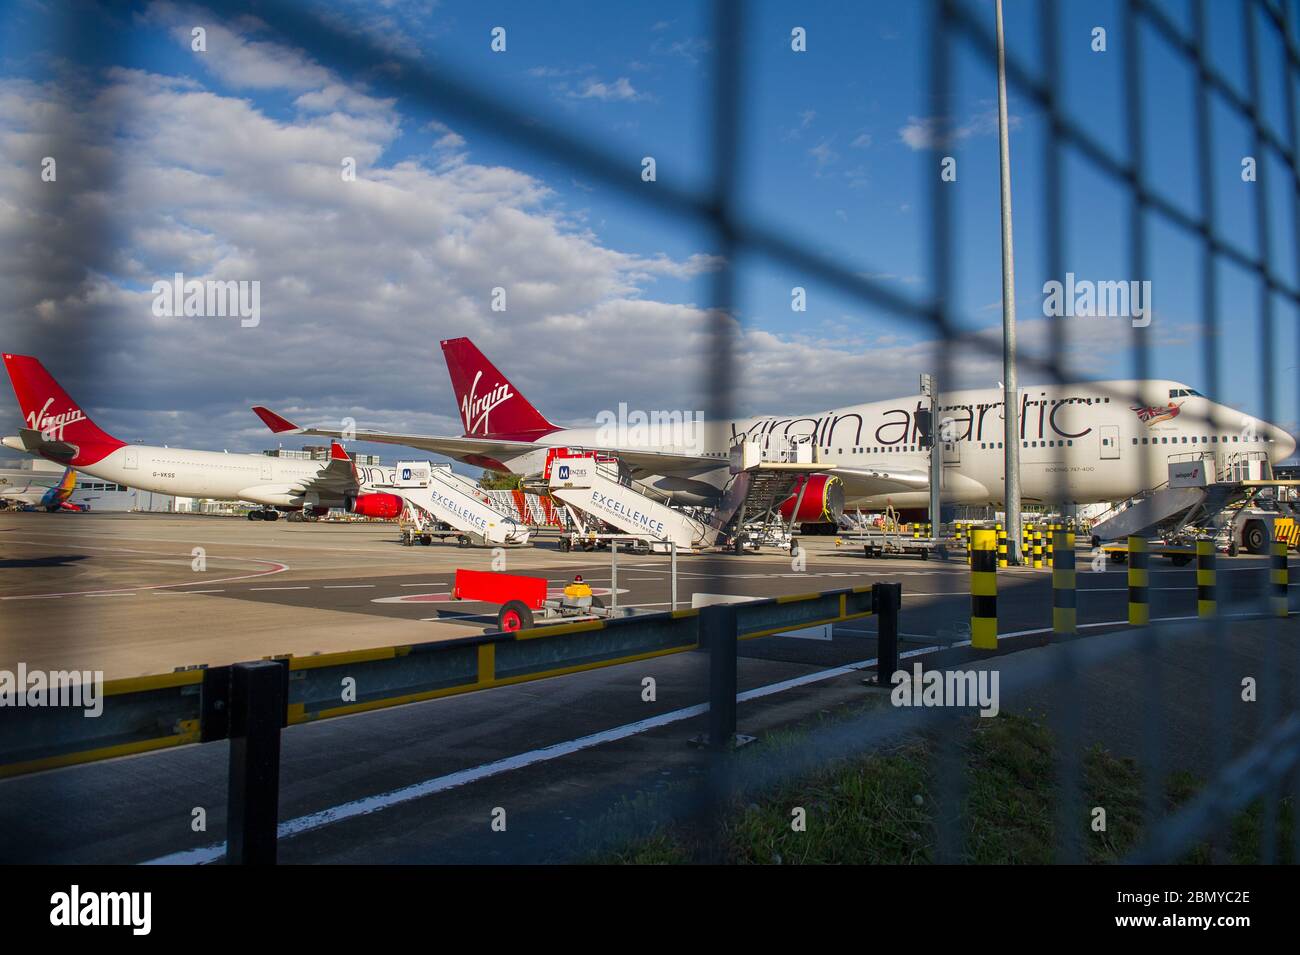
(421, 782)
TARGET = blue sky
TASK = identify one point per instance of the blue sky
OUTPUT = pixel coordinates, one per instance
(224, 165)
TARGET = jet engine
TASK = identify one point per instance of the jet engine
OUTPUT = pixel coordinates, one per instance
(383, 506)
(823, 501)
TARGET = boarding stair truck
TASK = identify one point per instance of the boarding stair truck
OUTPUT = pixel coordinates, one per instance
(766, 469)
(596, 485)
(442, 503)
(1230, 501)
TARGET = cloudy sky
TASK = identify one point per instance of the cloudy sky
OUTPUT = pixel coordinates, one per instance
(227, 163)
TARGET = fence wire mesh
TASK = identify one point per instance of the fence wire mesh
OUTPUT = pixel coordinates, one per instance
(1265, 769)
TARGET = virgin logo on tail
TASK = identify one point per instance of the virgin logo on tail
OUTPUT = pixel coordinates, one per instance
(51, 426)
(474, 409)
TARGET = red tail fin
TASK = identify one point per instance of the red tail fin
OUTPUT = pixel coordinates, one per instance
(47, 408)
(489, 405)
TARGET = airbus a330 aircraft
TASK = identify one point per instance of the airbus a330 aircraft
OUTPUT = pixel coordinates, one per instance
(1080, 443)
(59, 430)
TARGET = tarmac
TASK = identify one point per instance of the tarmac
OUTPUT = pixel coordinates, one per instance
(420, 783)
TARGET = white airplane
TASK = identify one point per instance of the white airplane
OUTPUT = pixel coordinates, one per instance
(48, 497)
(59, 430)
(1080, 443)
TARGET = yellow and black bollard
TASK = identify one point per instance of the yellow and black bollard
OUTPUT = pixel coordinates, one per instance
(1139, 606)
(1206, 600)
(1281, 600)
(984, 590)
(1064, 595)
(1050, 543)
(1002, 546)
(1038, 549)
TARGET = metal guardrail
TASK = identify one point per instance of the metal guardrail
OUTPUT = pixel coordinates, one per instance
(193, 706)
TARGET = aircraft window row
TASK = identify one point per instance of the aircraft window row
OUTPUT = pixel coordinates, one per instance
(225, 467)
(985, 445)
(1195, 439)
(100, 487)
(1084, 401)
(1049, 444)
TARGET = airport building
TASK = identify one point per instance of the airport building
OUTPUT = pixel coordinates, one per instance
(100, 495)
(319, 452)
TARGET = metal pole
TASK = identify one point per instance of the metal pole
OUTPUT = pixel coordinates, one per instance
(257, 710)
(613, 574)
(1010, 391)
(672, 550)
(718, 633)
(930, 385)
(885, 602)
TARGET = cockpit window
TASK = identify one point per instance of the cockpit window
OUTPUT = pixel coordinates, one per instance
(1184, 393)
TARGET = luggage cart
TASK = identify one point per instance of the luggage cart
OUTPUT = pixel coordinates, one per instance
(525, 602)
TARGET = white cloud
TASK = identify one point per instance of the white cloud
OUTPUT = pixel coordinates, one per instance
(939, 132)
(620, 89)
(360, 280)
(824, 155)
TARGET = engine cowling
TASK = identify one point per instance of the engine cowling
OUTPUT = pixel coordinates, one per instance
(823, 501)
(383, 506)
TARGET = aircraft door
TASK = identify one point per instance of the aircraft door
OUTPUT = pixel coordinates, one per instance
(266, 470)
(1109, 436)
(131, 460)
(951, 452)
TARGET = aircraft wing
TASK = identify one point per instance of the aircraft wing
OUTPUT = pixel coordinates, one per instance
(864, 481)
(861, 480)
(338, 478)
(500, 449)
(451, 447)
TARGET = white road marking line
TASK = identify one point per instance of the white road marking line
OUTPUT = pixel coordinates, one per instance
(182, 593)
(116, 593)
(369, 804)
(279, 588)
(347, 586)
(277, 568)
(436, 583)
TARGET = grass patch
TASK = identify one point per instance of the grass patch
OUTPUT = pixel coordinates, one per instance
(879, 808)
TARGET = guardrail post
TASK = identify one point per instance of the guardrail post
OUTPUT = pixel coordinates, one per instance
(1139, 605)
(1064, 596)
(613, 575)
(1281, 600)
(672, 567)
(984, 588)
(257, 710)
(1206, 585)
(886, 599)
(718, 632)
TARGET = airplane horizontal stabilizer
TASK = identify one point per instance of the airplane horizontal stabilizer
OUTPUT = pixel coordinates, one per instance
(277, 423)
